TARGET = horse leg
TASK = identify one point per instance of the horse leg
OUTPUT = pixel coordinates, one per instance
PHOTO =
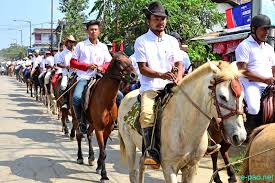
(170, 175)
(230, 170)
(141, 170)
(214, 158)
(27, 86)
(130, 148)
(63, 120)
(79, 151)
(91, 157)
(188, 173)
(74, 127)
(102, 155)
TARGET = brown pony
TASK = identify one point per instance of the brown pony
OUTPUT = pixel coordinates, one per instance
(102, 109)
(10, 69)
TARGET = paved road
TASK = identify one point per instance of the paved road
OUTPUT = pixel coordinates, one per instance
(33, 149)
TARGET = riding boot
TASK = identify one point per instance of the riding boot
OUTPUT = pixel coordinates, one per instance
(151, 154)
(251, 123)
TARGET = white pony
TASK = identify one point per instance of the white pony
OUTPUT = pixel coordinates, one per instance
(183, 126)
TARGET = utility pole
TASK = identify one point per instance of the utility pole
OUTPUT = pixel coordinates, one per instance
(21, 37)
(28, 21)
(51, 25)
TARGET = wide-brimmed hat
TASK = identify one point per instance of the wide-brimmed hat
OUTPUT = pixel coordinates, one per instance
(70, 38)
(155, 8)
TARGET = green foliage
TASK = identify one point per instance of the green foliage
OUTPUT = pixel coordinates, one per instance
(74, 17)
(237, 167)
(124, 18)
(14, 52)
(200, 51)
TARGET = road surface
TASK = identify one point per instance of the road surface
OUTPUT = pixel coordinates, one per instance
(33, 148)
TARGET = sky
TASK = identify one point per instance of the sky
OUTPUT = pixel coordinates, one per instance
(36, 11)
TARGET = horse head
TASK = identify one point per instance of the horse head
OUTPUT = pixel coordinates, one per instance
(121, 68)
(227, 94)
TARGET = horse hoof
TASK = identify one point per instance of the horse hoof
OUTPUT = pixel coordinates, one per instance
(91, 162)
(232, 180)
(80, 161)
(104, 180)
(71, 138)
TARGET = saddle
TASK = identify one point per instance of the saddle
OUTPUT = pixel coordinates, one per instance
(132, 117)
(268, 104)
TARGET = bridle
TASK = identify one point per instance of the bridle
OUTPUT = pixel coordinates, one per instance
(236, 89)
(120, 70)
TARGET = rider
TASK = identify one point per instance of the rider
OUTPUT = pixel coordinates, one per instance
(156, 53)
(64, 63)
(28, 65)
(58, 70)
(49, 64)
(257, 59)
(36, 61)
(88, 57)
(185, 58)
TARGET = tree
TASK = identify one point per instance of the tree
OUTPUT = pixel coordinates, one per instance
(74, 17)
(124, 19)
(14, 52)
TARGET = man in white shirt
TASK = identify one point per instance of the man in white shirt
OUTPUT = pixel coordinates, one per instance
(49, 64)
(156, 54)
(36, 61)
(257, 58)
(185, 58)
(58, 70)
(88, 56)
(64, 63)
(28, 66)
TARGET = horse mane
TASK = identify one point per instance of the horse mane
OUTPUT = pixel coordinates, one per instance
(227, 72)
(245, 166)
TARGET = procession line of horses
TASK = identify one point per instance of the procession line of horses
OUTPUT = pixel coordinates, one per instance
(183, 132)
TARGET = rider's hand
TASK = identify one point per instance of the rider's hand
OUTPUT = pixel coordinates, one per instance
(100, 69)
(168, 76)
(269, 81)
(92, 66)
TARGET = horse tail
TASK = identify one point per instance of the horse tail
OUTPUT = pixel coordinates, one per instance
(245, 166)
(123, 160)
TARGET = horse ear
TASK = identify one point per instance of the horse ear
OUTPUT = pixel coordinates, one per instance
(213, 67)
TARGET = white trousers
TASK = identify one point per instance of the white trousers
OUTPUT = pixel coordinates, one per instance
(252, 95)
(64, 82)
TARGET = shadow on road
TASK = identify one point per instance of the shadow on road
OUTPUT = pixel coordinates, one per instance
(41, 168)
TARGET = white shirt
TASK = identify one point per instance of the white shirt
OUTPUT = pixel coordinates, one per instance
(135, 65)
(28, 62)
(88, 53)
(42, 64)
(185, 60)
(49, 61)
(64, 58)
(160, 54)
(36, 61)
(56, 60)
(259, 58)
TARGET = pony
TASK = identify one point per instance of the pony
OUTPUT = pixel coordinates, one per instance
(102, 110)
(260, 151)
(185, 120)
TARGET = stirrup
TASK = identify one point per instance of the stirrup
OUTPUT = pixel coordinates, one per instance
(212, 149)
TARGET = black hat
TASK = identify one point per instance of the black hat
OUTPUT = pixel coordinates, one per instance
(176, 35)
(155, 8)
(261, 21)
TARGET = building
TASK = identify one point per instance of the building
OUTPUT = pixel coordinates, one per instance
(42, 38)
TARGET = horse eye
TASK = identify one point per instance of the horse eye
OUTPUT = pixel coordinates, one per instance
(222, 97)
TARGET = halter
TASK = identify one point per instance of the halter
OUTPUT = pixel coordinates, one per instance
(123, 71)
